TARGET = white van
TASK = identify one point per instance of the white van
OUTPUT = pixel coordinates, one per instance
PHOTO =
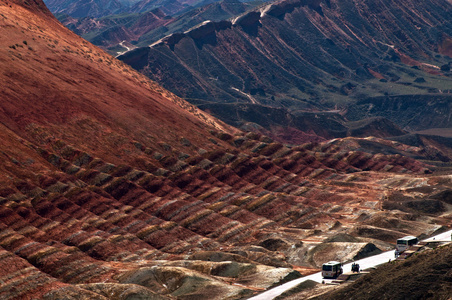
(331, 269)
(405, 242)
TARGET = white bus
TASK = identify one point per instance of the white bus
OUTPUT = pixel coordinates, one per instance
(405, 242)
(331, 269)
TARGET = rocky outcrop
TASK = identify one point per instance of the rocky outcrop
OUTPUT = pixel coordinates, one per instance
(247, 19)
(203, 30)
(284, 7)
(174, 38)
(342, 251)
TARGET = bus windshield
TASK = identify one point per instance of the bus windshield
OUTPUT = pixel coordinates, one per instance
(327, 268)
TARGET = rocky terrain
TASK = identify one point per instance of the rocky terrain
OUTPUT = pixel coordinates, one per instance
(111, 187)
(347, 58)
(145, 22)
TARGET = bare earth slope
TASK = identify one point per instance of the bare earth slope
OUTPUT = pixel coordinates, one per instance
(113, 188)
(53, 78)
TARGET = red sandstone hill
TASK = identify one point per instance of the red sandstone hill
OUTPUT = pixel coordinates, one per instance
(113, 188)
(52, 78)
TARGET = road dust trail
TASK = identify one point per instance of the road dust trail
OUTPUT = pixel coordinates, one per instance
(247, 95)
(365, 263)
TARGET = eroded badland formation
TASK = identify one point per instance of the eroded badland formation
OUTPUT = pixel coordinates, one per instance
(313, 66)
(111, 187)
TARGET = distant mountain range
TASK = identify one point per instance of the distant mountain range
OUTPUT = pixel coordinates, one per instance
(301, 57)
(102, 8)
(129, 26)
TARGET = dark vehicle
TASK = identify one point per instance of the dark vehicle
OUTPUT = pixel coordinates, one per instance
(355, 268)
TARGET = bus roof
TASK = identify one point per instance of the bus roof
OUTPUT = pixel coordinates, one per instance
(332, 263)
(409, 237)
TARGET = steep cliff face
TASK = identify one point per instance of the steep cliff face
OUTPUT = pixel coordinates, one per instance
(307, 54)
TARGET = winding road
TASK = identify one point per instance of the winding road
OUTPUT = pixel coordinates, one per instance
(124, 46)
(365, 263)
